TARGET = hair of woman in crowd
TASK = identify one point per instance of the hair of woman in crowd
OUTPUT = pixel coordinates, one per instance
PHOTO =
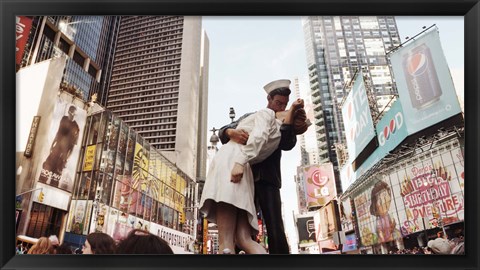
(99, 243)
(43, 246)
(143, 242)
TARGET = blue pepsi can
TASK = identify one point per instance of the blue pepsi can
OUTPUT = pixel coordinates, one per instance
(422, 79)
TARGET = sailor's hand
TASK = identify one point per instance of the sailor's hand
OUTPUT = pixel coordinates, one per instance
(239, 136)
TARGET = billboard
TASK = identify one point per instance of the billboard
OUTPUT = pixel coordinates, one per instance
(346, 215)
(300, 187)
(424, 82)
(376, 214)
(319, 184)
(306, 231)
(391, 131)
(34, 83)
(325, 221)
(431, 191)
(350, 243)
(359, 130)
(63, 142)
(89, 158)
(79, 216)
(423, 193)
(22, 31)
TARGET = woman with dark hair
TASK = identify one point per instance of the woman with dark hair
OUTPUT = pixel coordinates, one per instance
(99, 243)
(63, 249)
(142, 242)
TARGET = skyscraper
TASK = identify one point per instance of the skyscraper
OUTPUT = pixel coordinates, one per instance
(308, 142)
(337, 47)
(88, 41)
(158, 84)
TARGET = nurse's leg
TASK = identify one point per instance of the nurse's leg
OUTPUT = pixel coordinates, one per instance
(226, 222)
(244, 237)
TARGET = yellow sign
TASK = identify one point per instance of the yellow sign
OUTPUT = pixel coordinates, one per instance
(89, 158)
(41, 195)
(140, 167)
(32, 136)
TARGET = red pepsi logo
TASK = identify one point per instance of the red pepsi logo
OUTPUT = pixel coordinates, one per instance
(416, 63)
(391, 128)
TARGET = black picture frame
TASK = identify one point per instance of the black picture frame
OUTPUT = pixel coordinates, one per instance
(470, 9)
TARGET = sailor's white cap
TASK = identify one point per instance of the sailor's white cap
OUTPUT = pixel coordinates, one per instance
(276, 84)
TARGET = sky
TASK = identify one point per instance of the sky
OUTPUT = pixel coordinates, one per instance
(248, 52)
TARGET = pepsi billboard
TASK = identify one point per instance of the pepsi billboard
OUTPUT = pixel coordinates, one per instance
(359, 130)
(391, 131)
(424, 83)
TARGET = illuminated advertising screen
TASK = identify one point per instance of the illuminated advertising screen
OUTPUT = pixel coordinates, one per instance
(350, 243)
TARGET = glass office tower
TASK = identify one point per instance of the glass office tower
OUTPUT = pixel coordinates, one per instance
(89, 43)
(337, 47)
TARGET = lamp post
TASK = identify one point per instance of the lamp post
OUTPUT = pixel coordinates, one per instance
(231, 114)
(214, 138)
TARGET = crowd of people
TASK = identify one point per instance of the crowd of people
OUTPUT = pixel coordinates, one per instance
(137, 242)
(440, 246)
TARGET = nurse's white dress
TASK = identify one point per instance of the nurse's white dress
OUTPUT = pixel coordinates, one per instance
(264, 136)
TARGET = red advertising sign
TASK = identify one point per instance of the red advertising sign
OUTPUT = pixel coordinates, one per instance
(22, 30)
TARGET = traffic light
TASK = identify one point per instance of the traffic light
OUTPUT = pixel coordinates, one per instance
(180, 217)
(40, 196)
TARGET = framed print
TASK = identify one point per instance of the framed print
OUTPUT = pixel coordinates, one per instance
(125, 142)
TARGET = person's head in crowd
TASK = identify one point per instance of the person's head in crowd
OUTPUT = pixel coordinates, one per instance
(63, 249)
(440, 246)
(99, 243)
(459, 248)
(142, 242)
(43, 246)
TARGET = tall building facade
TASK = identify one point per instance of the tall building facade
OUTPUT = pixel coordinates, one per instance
(88, 41)
(158, 84)
(308, 142)
(337, 47)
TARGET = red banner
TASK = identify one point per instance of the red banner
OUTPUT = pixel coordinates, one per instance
(22, 30)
